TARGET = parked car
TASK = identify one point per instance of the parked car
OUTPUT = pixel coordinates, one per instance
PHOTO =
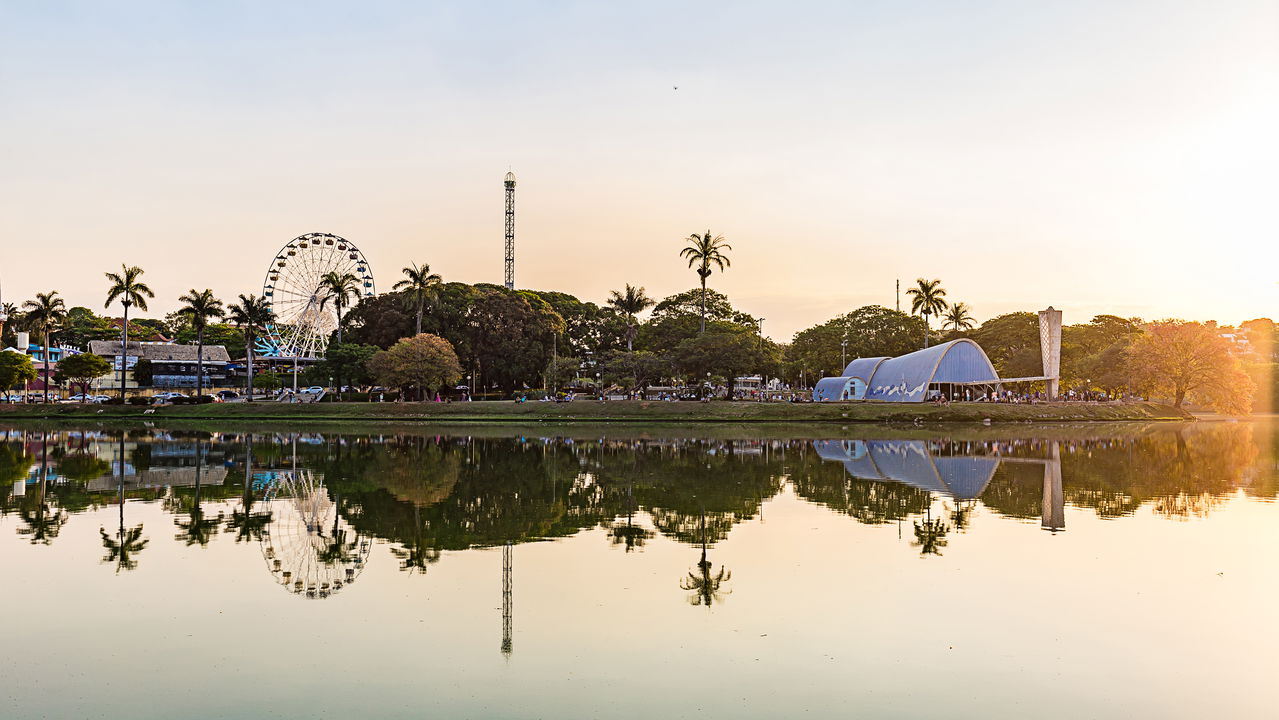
(227, 394)
(167, 396)
(313, 390)
(82, 398)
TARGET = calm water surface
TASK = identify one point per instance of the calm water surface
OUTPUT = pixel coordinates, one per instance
(1102, 571)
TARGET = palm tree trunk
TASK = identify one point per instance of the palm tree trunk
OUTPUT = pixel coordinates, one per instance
(124, 352)
(926, 329)
(339, 322)
(702, 326)
(630, 335)
(420, 307)
(199, 364)
(47, 353)
(248, 355)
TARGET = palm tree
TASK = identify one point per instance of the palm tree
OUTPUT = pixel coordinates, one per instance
(958, 318)
(630, 302)
(200, 307)
(338, 287)
(927, 298)
(702, 252)
(421, 285)
(44, 315)
(251, 313)
(126, 288)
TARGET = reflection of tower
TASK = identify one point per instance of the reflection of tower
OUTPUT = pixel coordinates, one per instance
(1050, 347)
(1053, 509)
(506, 599)
(510, 230)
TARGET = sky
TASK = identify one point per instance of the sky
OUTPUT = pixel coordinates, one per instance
(1101, 157)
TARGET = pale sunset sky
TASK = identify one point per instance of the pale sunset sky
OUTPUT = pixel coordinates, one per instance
(1108, 156)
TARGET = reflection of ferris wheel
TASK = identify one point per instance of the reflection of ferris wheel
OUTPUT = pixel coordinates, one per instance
(309, 549)
(304, 315)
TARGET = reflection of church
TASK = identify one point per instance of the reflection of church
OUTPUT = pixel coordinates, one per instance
(961, 477)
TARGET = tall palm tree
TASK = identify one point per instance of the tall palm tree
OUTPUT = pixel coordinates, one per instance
(927, 298)
(958, 317)
(703, 252)
(199, 308)
(338, 287)
(44, 315)
(129, 290)
(421, 285)
(250, 314)
(630, 302)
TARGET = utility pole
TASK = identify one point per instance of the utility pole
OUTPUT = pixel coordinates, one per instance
(899, 295)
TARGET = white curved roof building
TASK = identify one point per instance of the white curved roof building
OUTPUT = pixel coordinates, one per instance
(909, 378)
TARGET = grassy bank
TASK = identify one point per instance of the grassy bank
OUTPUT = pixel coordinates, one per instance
(625, 411)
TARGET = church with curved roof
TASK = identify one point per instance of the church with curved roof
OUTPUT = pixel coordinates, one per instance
(914, 377)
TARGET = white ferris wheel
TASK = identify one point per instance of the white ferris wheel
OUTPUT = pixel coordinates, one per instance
(304, 315)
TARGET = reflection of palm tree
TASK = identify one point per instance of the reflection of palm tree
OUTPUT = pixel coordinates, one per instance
(198, 529)
(961, 515)
(337, 550)
(122, 548)
(43, 523)
(705, 586)
(128, 543)
(246, 524)
(930, 535)
(630, 534)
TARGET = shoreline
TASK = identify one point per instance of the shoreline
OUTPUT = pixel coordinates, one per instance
(623, 411)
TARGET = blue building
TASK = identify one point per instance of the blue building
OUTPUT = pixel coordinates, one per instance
(916, 377)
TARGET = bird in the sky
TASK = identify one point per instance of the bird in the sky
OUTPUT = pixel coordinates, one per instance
(677, 87)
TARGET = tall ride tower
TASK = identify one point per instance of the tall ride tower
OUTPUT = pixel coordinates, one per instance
(510, 230)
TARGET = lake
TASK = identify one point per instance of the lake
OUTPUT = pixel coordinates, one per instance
(635, 572)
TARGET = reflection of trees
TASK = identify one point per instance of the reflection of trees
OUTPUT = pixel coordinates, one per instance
(869, 501)
(628, 533)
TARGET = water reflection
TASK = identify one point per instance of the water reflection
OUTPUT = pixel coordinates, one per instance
(314, 504)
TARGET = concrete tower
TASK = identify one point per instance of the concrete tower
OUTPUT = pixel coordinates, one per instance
(510, 230)
(1050, 348)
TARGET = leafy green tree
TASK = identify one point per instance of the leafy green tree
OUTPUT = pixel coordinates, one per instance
(927, 298)
(706, 252)
(15, 369)
(341, 288)
(509, 335)
(561, 371)
(1092, 354)
(199, 308)
(419, 285)
(348, 363)
(128, 288)
(270, 381)
(727, 354)
(1192, 360)
(870, 331)
(251, 315)
(629, 303)
(636, 370)
(382, 320)
(1011, 342)
(44, 315)
(84, 369)
(143, 371)
(82, 325)
(679, 317)
(589, 330)
(426, 362)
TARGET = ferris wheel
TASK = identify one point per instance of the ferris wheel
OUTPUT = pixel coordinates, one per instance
(308, 548)
(304, 315)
